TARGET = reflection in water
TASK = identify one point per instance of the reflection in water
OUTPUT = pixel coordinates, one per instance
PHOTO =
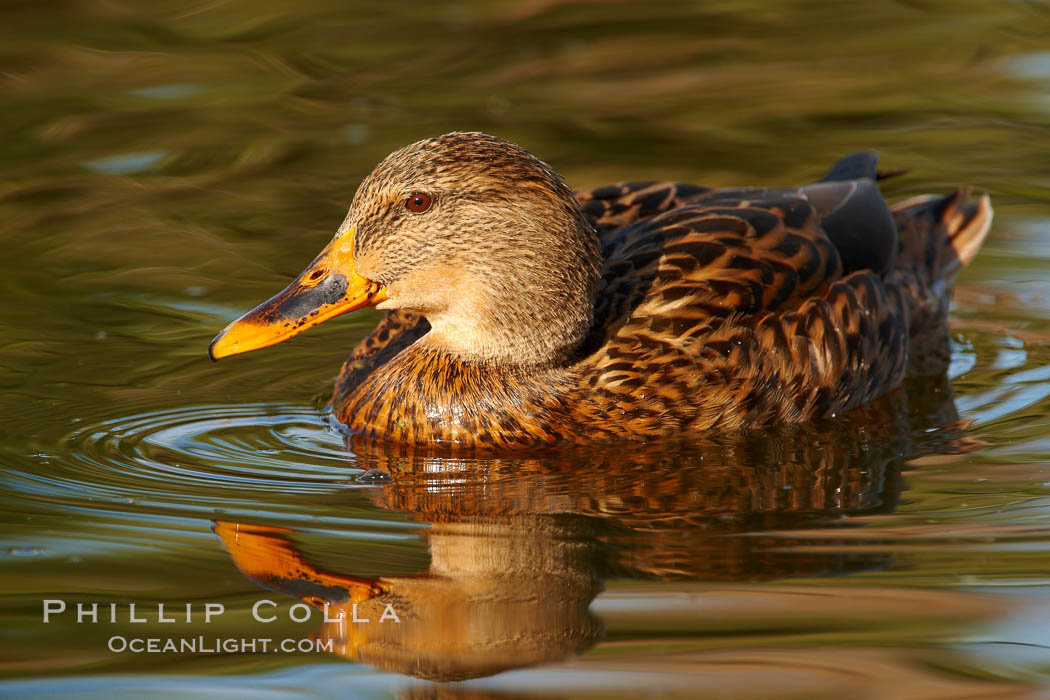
(519, 547)
(121, 445)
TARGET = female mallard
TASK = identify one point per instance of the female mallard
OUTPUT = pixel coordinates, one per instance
(521, 313)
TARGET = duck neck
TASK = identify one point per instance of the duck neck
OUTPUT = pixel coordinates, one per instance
(533, 309)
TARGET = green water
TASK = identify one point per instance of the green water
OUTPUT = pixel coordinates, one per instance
(168, 165)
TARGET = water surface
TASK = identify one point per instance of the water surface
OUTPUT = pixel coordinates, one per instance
(167, 168)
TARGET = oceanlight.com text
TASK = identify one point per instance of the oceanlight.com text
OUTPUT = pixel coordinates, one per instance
(216, 645)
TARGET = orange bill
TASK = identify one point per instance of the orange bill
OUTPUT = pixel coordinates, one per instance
(329, 287)
(268, 555)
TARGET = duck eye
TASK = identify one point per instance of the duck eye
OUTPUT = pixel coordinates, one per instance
(418, 202)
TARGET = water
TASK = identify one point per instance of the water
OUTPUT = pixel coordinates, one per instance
(167, 168)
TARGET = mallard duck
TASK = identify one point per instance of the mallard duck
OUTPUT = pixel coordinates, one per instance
(521, 313)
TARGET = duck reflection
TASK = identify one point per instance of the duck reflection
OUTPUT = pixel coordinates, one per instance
(519, 546)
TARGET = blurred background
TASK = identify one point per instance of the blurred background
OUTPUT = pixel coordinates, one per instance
(168, 165)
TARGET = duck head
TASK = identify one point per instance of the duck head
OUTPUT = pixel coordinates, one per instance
(482, 238)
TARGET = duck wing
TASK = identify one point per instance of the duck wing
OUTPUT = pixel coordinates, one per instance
(728, 253)
(612, 207)
(747, 306)
(853, 214)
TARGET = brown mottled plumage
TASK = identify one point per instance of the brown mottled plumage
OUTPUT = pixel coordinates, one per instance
(715, 309)
(522, 314)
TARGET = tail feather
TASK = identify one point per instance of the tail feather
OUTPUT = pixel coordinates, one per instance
(940, 235)
(968, 225)
(937, 237)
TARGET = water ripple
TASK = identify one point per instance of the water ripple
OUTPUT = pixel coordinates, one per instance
(207, 455)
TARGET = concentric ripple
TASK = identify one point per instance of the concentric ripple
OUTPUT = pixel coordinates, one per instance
(207, 455)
